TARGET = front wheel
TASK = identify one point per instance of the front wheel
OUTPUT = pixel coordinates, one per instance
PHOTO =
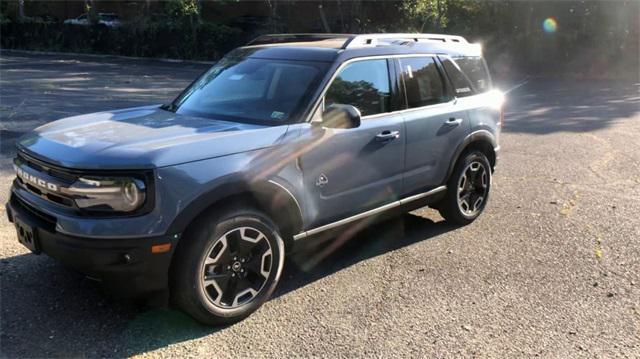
(228, 265)
(467, 189)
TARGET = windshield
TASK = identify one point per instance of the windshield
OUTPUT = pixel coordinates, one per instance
(252, 90)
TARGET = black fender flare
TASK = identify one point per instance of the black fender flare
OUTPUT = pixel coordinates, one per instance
(479, 136)
(272, 197)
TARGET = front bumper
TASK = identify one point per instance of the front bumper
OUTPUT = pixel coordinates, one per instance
(125, 266)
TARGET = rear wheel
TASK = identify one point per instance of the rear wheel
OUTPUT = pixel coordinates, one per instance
(228, 265)
(467, 189)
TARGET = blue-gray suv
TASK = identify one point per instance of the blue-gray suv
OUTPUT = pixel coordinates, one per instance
(288, 139)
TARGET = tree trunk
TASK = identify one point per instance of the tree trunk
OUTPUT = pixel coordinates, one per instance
(20, 9)
(341, 11)
(439, 18)
(323, 18)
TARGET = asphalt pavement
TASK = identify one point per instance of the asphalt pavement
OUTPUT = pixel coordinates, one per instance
(551, 269)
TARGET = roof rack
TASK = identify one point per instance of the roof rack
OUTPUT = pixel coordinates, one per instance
(348, 41)
(374, 39)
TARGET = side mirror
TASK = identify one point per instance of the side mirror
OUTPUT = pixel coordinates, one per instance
(341, 116)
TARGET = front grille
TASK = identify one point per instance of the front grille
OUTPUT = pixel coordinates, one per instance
(61, 200)
(49, 169)
(43, 168)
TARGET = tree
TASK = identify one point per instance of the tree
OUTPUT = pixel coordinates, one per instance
(421, 13)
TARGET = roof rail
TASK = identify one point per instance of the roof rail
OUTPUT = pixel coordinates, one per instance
(348, 41)
(284, 38)
(366, 40)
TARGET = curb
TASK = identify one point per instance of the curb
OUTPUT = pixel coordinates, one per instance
(104, 56)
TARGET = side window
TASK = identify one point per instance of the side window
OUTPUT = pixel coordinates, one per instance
(461, 84)
(476, 71)
(363, 84)
(422, 81)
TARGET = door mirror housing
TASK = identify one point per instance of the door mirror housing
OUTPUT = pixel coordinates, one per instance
(341, 116)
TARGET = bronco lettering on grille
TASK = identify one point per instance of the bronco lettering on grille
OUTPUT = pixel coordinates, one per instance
(27, 177)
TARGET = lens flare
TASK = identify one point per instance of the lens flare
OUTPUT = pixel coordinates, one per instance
(550, 25)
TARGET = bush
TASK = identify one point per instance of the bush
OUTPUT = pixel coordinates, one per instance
(160, 38)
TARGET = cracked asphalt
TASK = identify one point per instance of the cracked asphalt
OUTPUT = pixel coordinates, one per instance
(551, 269)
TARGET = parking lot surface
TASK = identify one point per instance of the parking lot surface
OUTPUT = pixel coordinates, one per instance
(551, 269)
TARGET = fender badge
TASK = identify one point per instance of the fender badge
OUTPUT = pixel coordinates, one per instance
(322, 180)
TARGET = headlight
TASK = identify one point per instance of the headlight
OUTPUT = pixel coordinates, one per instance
(119, 194)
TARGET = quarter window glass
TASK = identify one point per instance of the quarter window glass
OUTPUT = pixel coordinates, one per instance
(423, 82)
(363, 84)
(476, 71)
(461, 84)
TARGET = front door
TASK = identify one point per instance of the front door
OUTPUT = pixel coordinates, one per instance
(349, 171)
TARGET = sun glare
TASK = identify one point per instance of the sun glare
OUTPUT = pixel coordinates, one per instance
(550, 25)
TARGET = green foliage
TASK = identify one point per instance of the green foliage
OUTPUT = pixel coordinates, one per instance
(162, 39)
(593, 38)
(422, 14)
(181, 8)
(4, 19)
(591, 35)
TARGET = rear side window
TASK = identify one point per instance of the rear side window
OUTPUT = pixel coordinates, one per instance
(423, 82)
(363, 84)
(461, 84)
(476, 71)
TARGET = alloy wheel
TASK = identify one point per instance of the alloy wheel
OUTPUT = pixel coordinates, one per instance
(236, 267)
(473, 186)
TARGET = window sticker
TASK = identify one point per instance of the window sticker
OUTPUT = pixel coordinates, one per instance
(277, 115)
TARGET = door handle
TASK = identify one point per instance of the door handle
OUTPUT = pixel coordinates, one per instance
(453, 121)
(387, 135)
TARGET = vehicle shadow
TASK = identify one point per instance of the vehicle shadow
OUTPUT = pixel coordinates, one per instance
(49, 311)
(317, 262)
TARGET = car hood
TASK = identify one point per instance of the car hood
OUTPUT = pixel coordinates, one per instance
(142, 137)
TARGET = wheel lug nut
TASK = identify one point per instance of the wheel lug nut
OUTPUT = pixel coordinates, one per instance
(228, 267)
(243, 260)
(233, 274)
(235, 258)
(242, 270)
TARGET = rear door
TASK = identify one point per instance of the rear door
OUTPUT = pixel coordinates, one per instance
(349, 171)
(472, 85)
(435, 124)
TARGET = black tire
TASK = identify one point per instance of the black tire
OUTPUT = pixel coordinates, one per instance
(205, 290)
(449, 207)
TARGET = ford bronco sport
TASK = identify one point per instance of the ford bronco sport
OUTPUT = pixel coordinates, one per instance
(290, 138)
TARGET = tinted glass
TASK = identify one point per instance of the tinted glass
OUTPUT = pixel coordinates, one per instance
(363, 84)
(423, 81)
(476, 71)
(252, 90)
(461, 84)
